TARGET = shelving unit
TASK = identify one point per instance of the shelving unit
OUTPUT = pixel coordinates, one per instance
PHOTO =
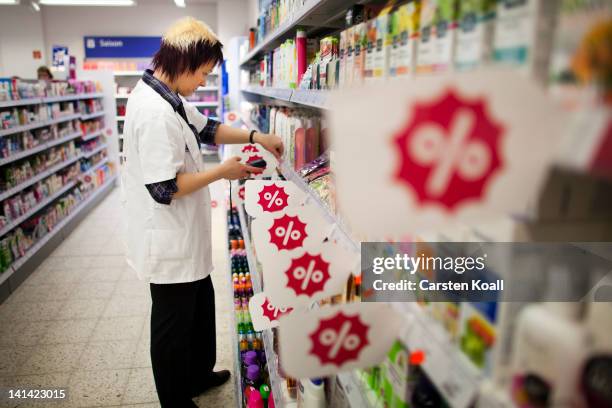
(95, 167)
(23, 128)
(9, 278)
(61, 228)
(37, 178)
(39, 148)
(237, 369)
(87, 155)
(92, 115)
(304, 97)
(276, 382)
(49, 99)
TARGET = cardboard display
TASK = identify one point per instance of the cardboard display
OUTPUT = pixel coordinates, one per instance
(455, 148)
(264, 314)
(305, 275)
(337, 338)
(264, 197)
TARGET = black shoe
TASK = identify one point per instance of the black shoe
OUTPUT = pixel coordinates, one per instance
(214, 380)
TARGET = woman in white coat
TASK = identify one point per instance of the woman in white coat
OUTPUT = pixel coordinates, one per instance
(167, 207)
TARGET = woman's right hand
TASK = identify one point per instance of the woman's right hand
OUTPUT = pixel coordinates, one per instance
(232, 169)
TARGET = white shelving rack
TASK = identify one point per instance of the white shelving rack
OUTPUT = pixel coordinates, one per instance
(130, 78)
(12, 276)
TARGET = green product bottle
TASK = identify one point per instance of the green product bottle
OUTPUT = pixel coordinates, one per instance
(264, 390)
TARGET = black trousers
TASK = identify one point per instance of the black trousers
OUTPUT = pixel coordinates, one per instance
(183, 339)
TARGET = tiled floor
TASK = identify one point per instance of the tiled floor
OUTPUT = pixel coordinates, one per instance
(81, 320)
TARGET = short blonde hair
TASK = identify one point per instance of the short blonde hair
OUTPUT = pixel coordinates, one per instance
(187, 45)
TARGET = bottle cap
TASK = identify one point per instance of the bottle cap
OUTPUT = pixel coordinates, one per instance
(250, 358)
(417, 357)
(252, 372)
(264, 390)
(316, 381)
(255, 400)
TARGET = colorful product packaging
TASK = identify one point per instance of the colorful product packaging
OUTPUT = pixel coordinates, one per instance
(438, 29)
(474, 33)
(524, 34)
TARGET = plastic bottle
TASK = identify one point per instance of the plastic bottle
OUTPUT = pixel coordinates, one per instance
(302, 63)
(255, 400)
(549, 347)
(249, 359)
(264, 390)
(253, 376)
(311, 393)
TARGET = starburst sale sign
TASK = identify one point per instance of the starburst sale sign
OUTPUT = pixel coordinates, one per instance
(337, 338)
(457, 147)
(287, 230)
(264, 313)
(308, 274)
(266, 198)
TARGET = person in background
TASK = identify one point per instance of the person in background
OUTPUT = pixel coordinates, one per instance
(167, 207)
(44, 73)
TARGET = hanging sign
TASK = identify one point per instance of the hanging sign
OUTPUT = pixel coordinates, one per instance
(264, 314)
(121, 47)
(456, 147)
(265, 197)
(337, 338)
(303, 276)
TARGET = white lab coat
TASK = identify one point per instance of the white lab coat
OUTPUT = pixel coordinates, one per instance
(165, 243)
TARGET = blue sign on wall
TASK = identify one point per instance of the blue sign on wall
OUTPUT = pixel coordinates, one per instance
(121, 47)
(59, 53)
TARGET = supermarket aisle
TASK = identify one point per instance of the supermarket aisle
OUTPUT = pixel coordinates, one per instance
(81, 320)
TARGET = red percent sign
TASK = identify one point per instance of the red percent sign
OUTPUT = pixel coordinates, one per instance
(241, 193)
(273, 198)
(288, 232)
(251, 159)
(272, 312)
(339, 339)
(250, 149)
(308, 274)
(449, 151)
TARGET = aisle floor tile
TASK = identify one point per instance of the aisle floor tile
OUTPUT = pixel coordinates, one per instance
(22, 333)
(140, 387)
(41, 293)
(108, 355)
(82, 308)
(102, 274)
(122, 306)
(13, 358)
(133, 289)
(52, 358)
(118, 328)
(142, 353)
(39, 381)
(93, 290)
(97, 388)
(69, 331)
(12, 310)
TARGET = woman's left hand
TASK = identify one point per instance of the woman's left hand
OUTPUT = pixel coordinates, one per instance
(271, 143)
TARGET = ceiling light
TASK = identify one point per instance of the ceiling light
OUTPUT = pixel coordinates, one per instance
(9, 2)
(35, 6)
(88, 2)
(179, 3)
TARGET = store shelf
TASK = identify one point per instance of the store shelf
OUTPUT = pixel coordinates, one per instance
(202, 104)
(37, 149)
(454, 375)
(237, 361)
(49, 99)
(120, 118)
(37, 178)
(93, 135)
(92, 115)
(95, 167)
(87, 155)
(21, 102)
(8, 228)
(128, 73)
(341, 232)
(37, 125)
(305, 97)
(276, 382)
(57, 229)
